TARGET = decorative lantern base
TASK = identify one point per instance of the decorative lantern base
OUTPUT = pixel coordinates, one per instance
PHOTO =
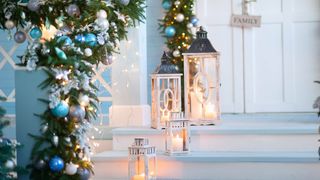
(202, 122)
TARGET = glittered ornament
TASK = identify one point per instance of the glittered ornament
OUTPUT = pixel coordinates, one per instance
(194, 20)
(65, 40)
(71, 169)
(176, 53)
(84, 174)
(102, 14)
(170, 31)
(107, 59)
(77, 113)
(189, 25)
(102, 23)
(61, 55)
(35, 33)
(56, 164)
(9, 164)
(79, 38)
(19, 37)
(61, 110)
(33, 5)
(40, 164)
(90, 39)
(87, 52)
(166, 4)
(124, 2)
(73, 10)
(9, 24)
(55, 140)
(179, 17)
(84, 100)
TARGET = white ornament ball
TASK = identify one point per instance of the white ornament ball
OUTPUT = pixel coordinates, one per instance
(179, 17)
(71, 169)
(177, 3)
(189, 25)
(88, 52)
(9, 164)
(176, 53)
(103, 23)
(102, 14)
(84, 100)
(9, 24)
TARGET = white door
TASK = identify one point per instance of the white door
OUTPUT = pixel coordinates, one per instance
(271, 68)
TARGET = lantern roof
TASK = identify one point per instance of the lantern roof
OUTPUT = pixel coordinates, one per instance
(166, 67)
(201, 44)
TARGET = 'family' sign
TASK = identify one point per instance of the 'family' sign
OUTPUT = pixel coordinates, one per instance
(246, 21)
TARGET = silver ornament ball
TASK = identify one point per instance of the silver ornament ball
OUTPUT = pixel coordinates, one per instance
(10, 164)
(9, 24)
(40, 164)
(177, 3)
(71, 169)
(77, 113)
(102, 23)
(107, 59)
(73, 10)
(33, 5)
(20, 37)
(84, 100)
(125, 2)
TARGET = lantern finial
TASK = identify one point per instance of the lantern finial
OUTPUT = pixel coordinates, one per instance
(202, 34)
(166, 67)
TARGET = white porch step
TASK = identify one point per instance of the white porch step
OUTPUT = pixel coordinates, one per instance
(282, 134)
(112, 165)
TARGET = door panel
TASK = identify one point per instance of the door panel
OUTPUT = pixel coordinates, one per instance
(215, 16)
(282, 57)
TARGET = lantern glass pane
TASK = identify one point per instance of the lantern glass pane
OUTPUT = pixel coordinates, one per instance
(203, 87)
(152, 168)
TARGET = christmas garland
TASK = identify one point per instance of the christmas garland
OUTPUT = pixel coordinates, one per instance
(69, 39)
(8, 168)
(178, 26)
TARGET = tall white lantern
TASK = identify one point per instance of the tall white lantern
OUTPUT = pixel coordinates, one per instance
(165, 91)
(202, 81)
(142, 160)
(177, 135)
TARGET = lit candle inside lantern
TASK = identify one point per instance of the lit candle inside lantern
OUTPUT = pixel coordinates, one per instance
(165, 117)
(177, 143)
(138, 177)
(211, 111)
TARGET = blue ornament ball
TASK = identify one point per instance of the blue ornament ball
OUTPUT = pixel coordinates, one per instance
(166, 4)
(56, 164)
(194, 20)
(65, 39)
(84, 174)
(80, 38)
(35, 33)
(91, 39)
(61, 110)
(170, 31)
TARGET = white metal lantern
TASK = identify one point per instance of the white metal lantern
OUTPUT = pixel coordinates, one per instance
(166, 92)
(142, 160)
(177, 135)
(202, 81)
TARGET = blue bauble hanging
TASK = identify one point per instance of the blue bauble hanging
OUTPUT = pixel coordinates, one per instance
(56, 164)
(194, 20)
(80, 38)
(61, 55)
(35, 33)
(91, 39)
(84, 174)
(19, 37)
(166, 4)
(61, 110)
(170, 31)
(65, 39)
